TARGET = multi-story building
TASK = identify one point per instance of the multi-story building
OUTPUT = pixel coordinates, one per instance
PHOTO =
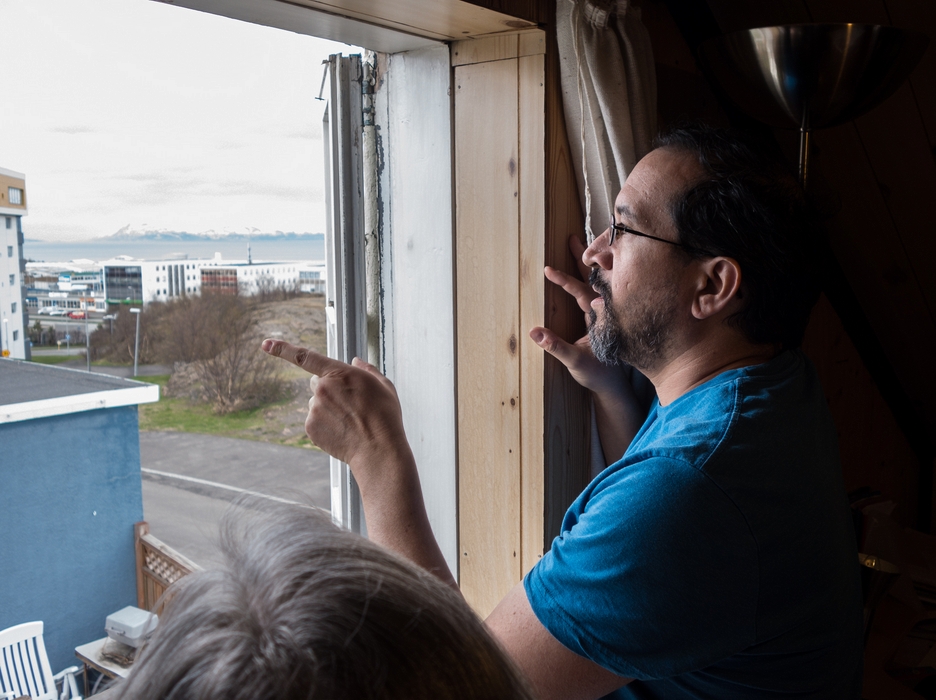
(133, 281)
(14, 319)
(251, 278)
(312, 278)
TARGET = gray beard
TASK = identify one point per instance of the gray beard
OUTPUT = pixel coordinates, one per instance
(642, 344)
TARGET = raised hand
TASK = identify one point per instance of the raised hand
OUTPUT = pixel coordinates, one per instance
(578, 356)
(354, 414)
(617, 410)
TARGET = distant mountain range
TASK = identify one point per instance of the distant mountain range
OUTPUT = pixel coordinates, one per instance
(128, 233)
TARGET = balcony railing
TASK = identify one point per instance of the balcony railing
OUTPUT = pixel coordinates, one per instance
(158, 567)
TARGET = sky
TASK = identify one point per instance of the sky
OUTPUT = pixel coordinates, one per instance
(141, 114)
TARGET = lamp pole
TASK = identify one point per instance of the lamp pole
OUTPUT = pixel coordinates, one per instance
(86, 335)
(6, 338)
(136, 343)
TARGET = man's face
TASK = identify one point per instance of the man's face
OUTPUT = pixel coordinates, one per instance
(636, 317)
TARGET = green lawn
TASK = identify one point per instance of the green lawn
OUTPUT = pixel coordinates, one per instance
(53, 359)
(181, 415)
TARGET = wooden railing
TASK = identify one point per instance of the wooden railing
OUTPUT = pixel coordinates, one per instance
(158, 567)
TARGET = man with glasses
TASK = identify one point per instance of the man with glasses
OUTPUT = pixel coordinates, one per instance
(714, 557)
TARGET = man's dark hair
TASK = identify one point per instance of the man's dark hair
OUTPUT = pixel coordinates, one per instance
(749, 206)
(303, 610)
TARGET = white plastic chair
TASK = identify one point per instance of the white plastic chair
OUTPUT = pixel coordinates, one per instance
(24, 666)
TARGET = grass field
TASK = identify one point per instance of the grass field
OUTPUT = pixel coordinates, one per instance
(51, 359)
(179, 414)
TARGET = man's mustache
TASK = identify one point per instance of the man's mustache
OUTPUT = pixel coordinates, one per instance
(600, 285)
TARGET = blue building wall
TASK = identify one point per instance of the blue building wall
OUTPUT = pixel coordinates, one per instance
(70, 492)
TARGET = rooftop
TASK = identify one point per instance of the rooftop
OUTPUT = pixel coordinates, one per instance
(29, 390)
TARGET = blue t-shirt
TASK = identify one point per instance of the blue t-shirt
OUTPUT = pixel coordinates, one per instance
(717, 558)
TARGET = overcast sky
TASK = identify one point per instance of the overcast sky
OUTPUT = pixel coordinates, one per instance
(133, 112)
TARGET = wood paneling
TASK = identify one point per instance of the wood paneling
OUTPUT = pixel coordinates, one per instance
(531, 10)
(874, 452)
(870, 247)
(531, 126)
(445, 20)
(500, 229)
(567, 407)
(488, 329)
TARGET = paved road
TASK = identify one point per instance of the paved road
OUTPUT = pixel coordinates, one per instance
(189, 480)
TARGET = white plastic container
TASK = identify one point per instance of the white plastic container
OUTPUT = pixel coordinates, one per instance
(130, 626)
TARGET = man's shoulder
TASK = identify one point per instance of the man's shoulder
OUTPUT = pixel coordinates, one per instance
(749, 408)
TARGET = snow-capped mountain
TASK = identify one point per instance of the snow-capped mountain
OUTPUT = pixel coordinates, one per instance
(143, 232)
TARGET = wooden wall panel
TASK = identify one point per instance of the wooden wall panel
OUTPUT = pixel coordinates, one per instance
(532, 10)
(567, 407)
(531, 127)
(920, 15)
(870, 248)
(488, 328)
(874, 452)
(500, 167)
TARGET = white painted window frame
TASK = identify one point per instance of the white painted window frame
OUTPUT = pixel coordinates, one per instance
(414, 119)
(345, 313)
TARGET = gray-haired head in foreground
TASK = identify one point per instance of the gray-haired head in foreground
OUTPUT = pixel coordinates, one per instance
(302, 609)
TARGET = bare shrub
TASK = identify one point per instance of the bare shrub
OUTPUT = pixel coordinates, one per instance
(216, 336)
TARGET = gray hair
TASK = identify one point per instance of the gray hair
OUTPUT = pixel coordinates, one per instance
(303, 609)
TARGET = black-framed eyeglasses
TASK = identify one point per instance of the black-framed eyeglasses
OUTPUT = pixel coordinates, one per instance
(615, 227)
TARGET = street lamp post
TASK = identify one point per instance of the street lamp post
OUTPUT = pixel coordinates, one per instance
(87, 336)
(136, 343)
(6, 338)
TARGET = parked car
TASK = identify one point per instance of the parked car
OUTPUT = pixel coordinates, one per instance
(45, 310)
(55, 311)
(76, 314)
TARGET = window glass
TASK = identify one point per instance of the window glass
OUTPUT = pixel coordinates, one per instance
(16, 195)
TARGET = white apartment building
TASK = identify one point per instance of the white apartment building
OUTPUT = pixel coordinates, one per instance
(127, 280)
(312, 278)
(13, 316)
(131, 281)
(251, 278)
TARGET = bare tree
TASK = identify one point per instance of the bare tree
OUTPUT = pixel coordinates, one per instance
(217, 336)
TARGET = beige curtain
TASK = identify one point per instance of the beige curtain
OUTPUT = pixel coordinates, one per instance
(609, 100)
(609, 97)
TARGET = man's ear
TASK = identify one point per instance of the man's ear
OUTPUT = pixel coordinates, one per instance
(718, 287)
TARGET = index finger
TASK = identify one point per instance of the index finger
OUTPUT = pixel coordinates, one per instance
(311, 361)
(580, 290)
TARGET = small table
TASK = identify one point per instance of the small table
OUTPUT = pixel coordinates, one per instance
(90, 655)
